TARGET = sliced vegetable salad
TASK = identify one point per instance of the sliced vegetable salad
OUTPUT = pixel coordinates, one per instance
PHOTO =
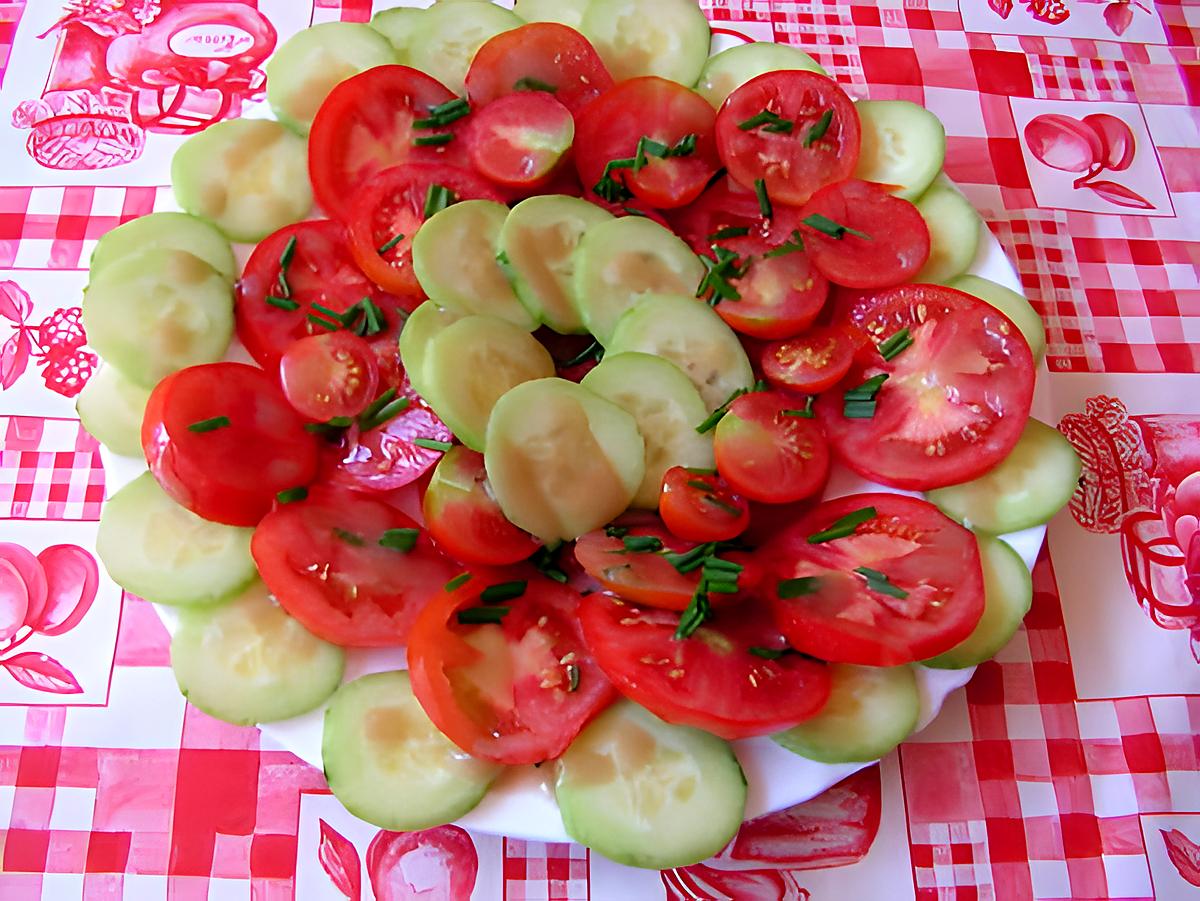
(548, 389)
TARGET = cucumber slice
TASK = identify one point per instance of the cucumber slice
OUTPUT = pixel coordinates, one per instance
(156, 549)
(1026, 489)
(248, 177)
(313, 62)
(1008, 595)
(667, 38)
(564, 12)
(1012, 305)
(111, 407)
(400, 27)
(954, 232)
(538, 244)
(667, 408)
(169, 231)
(157, 312)
(728, 70)
(472, 364)
(903, 144)
(454, 258)
(691, 335)
(649, 794)
(389, 765)
(620, 261)
(870, 711)
(449, 35)
(426, 323)
(562, 460)
(248, 662)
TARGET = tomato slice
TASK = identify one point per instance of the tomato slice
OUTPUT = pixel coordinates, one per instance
(515, 683)
(701, 507)
(712, 680)
(893, 244)
(387, 212)
(330, 375)
(951, 406)
(537, 57)
(781, 295)
(613, 126)
(324, 561)
(520, 140)
(366, 125)
(464, 518)
(643, 578)
(793, 163)
(811, 363)
(769, 452)
(722, 208)
(904, 584)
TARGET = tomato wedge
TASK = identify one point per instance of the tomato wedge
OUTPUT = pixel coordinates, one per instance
(643, 577)
(519, 141)
(330, 375)
(945, 408)
(782, 293)
(861, 236)
(508, 679)
(733, 677)
(701, 507)
(811, 363)
(903, 583)
(769, 451)
(340, 562)
(222, 441)
(797, 131)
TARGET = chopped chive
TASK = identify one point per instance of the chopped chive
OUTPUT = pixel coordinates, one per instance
(616, 531)
(392, 242)
(697, 613)
(827, 226)
(349, 537)
(818, 129)
(806, 413)
(868, 389)
(282, 303)
(764, 199)
(718, 414)
(594, 351)
(546, 562)
(505, 591)
(896, 344)
(457, 582)
(769, 653)
(794, 245)
(690, 561)
(716, 563)
(722, 505)
(879, 582)
(436, 140)
(572, 677)
(385, 415)
(733, 231)
(768, 121)
(844, 527)
(699, 485)
(635, 212)
(403, 540)
(787, 589)
(727, 265)
(291, 495)
(210, 425)
(437, 198)
(285, 260)
(615, 191)
(641, 544)
(445, 113)
(373, 320)
(534, 84)
(323, 323)
(327, 313)
(860, 402)
(377, 405)
(430, 444)
(699, 471)
(483, 616)
(860, 409)
(721, 587)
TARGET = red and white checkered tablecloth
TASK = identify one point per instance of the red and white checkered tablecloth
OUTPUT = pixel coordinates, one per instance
(1068, 768)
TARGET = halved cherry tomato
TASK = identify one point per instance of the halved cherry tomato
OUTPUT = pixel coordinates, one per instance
(338, 563)
(365, 126)
(723, 208)
(330, 375)
(793, 162)
(811, 363)
(720, 679)
(904, 584)
(519, 141)
(701, 507)
(947, 408)
(891, 248)
(222, 441)
(388, 210)
(509, 680)
(537, 57)
(781, 295)
(465, 520)
(643, 577)
(768, 451)
(613, 126)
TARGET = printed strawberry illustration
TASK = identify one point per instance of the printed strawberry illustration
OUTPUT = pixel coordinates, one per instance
(56, 344)
(66, 375)
(1052, 12)
(61, 333)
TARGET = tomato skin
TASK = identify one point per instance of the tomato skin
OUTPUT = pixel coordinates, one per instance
(792, 172)
(229, 474)
(521, 141)
(355, 595)
(811, 363)
(465, 520)
(767, 455)
(781, 295)
(921, 551)
(711, 680)
(896, 250)
(686, 510)
(537, 716)
(639, 578)
(330, 375)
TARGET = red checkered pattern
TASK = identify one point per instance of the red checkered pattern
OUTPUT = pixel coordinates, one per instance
(536, 871)
(10, 15)
(49, 469)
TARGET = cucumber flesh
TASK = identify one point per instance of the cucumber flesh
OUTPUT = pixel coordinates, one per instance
(667, 408)
(728, 70)
(562, 460)
(538, 244)
(389, 765)
(426, 323)
(248, 177)
(248, 662)
(471, 364)
(313, 62)
(564, 12)
(1008, 595)
(111, 407)
(903, 144)
(157, 312)
(1013, 305)
(449, 35)
(400, 27)
(691, 335)
(954, 232)
(156, 549)
(667, 38)
(870, 711)
(454, 258)
(649, 794)
(619, 262)
(169, 231)
(1026, 489)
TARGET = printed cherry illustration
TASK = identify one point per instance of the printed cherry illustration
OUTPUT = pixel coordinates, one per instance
(1116, 139)
(72, 579)
(14, 600)
(1064, 143)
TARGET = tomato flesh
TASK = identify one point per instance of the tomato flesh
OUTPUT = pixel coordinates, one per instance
(519, 141)
(643, 578)
(811, 363)
(768, 453)
(781, 295)
(328, 376)
(701, 507)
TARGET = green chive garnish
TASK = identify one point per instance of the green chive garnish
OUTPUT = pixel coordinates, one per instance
(534, 84)
(458, 582)
(505, 591)
(722, 505)
(879, 582)
(788, 589)
(718, 414)
(860, 409)
(697, 613)
(764, 200)
(769, 653)
(616, 531)
(594, 351)
(282, 303)
(291, 495)
(795, 245)
(844, 527)
(210, 425)
(896, 344)
(868, 389)
(436, 140)
(860, 402)
(349, 537)
(385, 415)
(384, 248)
(403, 540)
(827, 226)
(572, 677)
(430, 444)
(285, 260)
(769, 121)
(716, 563)
(733, 231)
(718, 273)
(437, 198)
(483, 616)
(806, 413)
(641, 544)
(324, 323)
(445, 113)
(817, 130)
